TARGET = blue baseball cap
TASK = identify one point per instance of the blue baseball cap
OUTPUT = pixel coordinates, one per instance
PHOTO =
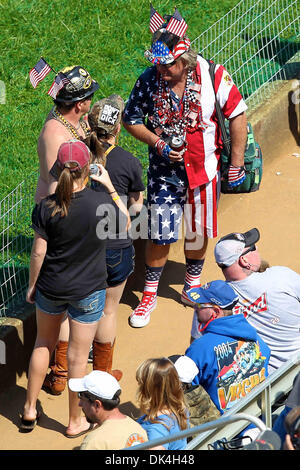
(214, 293)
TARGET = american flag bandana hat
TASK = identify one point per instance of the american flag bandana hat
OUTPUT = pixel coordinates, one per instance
(161, 54)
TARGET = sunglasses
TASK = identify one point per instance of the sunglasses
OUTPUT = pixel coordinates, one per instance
(251, 248)
(87, 396)
(167, 66)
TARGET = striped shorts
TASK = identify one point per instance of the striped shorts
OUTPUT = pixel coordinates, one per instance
(200, 213)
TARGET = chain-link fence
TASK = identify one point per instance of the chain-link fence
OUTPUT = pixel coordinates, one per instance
(258, 43)
(16, 241)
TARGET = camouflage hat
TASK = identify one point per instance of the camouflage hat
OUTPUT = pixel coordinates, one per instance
(106, 114)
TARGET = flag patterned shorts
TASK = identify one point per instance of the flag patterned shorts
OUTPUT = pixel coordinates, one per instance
(169, 197)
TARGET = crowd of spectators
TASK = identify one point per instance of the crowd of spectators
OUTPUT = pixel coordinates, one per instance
(244, 327)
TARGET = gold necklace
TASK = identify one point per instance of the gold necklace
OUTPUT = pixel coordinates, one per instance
(59, 117)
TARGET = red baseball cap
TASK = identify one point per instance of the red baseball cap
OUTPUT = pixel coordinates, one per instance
(73, 154)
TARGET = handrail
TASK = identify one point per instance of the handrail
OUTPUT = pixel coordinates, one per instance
(201, 428)
(256, 407)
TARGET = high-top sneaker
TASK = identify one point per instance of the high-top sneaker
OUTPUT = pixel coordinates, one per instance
(141, 315)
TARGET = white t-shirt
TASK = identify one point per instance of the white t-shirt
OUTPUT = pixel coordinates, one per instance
(271, 303)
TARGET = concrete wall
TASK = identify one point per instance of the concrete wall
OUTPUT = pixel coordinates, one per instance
(17, 337)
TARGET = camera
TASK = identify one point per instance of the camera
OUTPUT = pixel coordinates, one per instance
(94, 170)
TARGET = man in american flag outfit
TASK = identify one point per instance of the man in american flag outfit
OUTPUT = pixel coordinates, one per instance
(173, 102)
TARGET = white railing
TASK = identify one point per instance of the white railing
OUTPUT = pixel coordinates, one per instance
(16, 241)
(216, 424)
(258, 42)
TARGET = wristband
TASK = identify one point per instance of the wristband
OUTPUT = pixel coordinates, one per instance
(162, 148)
(236, 175)
(116, 198)
(112, 192)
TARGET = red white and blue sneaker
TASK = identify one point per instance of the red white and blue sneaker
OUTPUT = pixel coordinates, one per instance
(141, 315)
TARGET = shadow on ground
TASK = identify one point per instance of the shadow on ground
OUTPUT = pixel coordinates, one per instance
(17, 396)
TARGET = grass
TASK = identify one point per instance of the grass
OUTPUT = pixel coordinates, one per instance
(107, 37)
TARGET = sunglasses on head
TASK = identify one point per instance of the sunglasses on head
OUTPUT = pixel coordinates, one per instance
(87, 396)
(251, 248)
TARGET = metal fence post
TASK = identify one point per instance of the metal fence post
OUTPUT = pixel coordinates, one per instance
(2, 92)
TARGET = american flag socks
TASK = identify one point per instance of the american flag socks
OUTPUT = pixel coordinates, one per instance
(152, 279)
(192, 278)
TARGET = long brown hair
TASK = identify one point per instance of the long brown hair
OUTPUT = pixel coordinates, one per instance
(160, 390)
(65, 188)
(97, 147)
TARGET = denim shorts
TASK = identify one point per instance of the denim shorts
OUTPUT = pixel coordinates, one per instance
(119, 264)
(87, 310)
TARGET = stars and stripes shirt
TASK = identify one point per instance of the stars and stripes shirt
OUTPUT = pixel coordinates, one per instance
(204, 147)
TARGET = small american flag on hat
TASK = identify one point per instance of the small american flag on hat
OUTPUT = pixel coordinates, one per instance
(59, 81)
(177, 24)
(156, 21)
(39, 72)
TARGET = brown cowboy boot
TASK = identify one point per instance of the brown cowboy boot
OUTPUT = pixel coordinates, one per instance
(102, 359)
(55, 382)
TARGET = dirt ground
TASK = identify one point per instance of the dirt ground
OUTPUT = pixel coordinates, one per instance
(274, 210)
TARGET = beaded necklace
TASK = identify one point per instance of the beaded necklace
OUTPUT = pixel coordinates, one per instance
(59, 117)
(172, 121)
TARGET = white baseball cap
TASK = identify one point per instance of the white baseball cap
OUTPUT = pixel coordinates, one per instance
(99, 383)
(186, 368)
(229, 248)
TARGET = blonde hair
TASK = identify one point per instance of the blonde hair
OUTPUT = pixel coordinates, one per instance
(190, 59)
(160, 390)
